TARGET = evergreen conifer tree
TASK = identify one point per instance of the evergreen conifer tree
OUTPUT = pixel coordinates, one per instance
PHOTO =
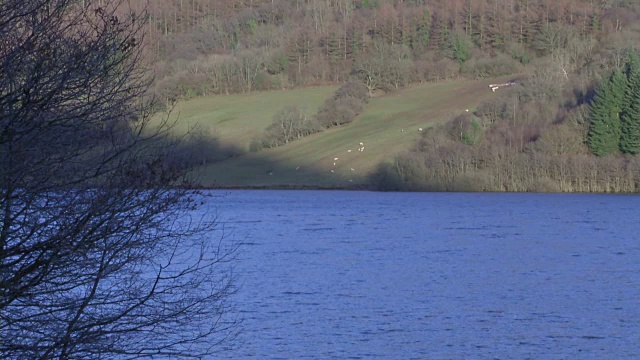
(630, 120)
(606, 108)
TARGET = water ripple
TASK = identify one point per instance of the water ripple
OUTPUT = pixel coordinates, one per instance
(359, 275)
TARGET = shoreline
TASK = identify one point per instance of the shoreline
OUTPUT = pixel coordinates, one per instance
(364, 187)
(284, 187)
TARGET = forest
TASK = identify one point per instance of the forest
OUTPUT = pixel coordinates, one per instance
(540, 135)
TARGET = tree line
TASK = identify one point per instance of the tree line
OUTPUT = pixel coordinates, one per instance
(615, 111)
(203, 47)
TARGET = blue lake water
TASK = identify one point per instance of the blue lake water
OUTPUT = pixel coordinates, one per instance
(349, 275)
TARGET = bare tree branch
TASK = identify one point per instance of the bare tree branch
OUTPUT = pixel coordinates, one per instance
(100, 256)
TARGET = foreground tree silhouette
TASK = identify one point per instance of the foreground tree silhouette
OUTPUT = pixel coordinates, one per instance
(99, 256)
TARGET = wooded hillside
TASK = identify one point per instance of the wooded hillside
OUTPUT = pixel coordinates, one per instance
(205, 47)
(559, 50)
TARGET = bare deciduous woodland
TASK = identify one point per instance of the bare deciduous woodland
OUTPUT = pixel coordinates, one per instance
(205, 47)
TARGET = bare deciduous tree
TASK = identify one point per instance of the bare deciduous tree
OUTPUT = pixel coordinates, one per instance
(100, 255)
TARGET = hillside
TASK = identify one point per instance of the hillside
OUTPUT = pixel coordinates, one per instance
(280, 53)
(205, 47)
(388, 126)
(236, 119)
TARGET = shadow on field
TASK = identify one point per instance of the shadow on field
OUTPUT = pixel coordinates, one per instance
(259, 170)
(198, 150)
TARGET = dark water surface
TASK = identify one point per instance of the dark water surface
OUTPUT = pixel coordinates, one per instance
(349, 275)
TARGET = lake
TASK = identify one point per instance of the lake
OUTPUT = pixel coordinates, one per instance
(360, 275)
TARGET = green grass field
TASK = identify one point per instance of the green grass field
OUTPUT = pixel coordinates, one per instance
(388, 126)
(236, 119)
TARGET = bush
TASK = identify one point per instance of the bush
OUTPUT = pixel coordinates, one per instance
(493, 110)
(458, 48)
(345, 104)
(487, 67)
(519, 53)
(354, 89)
(466, 129)
(277, 64)
(288, 124)
(432, 68)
